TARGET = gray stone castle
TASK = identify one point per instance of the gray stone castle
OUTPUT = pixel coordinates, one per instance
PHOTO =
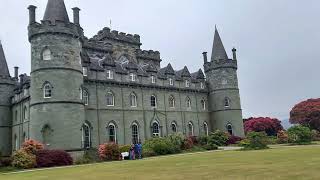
(83, 92)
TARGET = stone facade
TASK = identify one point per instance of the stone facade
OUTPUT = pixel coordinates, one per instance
(83, 92)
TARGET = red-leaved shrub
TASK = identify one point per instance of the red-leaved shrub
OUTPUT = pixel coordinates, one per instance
(6, 161)
(234, 140)
(32, 146)
(282, 137)
(187, 143)
(271, 126)
(109, 152)
(52, 158)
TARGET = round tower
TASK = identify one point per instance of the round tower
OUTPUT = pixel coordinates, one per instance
(224, 97)
(56, 107)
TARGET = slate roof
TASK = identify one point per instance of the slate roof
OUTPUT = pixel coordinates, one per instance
(218, 51)
(56, 11)
(4, 71)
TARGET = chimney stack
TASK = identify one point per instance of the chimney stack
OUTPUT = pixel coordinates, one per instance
(32, 14)
(76, 16)
(16, 72)
(205, 57)
(234, 52)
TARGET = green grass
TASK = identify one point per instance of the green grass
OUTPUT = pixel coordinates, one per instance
(281, 163)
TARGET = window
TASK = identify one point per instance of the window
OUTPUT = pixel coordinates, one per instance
(201, 85)
(110, 99)
(188, 103)
(135, 133)
(86, 136)
(229, 129)
(25, 92)
(85, 71)
(85, 97)
(132, 77)
(109, 74)
(190, 129)
(203, 104)
(226, 102)
(155, 129)
(47, 90)
(133, 100)
(16, 143)
(25, 113)
(171, 102)
(46, 55)
(174, 127)
(153, 101)
(171, 81)
(25, 138)
(206, 129)
(153, 80)
(16, 115)
(112, 133)
(187, 83)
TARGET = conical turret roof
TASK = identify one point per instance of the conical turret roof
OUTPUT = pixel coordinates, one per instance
(56, 11)
(218, 51)
(4, 71)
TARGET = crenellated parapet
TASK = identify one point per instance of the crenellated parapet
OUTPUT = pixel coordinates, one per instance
(97, 45)
(107, 34)
(144, 54)
(222, 63)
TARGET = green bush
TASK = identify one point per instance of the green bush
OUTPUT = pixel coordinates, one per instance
(124, 148)
(210, 147)
(160, 146)
(218, 138)
(85, 159)
(315, 135)
(177, 141)
(272, 140)
(203, 140)
(255, 141)
(299, 135)
(23, 160)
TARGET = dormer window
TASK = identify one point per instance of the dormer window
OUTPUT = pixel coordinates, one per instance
(132, 77)
(46, 55)
(170, 81)
(85, 71)
(187, 83)
(109, 74)
(153, 80)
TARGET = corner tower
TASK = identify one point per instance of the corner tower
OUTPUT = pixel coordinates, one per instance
(56, 107)
(224, 97)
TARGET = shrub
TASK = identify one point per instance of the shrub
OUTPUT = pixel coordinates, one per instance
(52, 158)
(85, 159)
(315, 135)
(263, 124)
(218, 138)
(160, 146)
(282, 137)
(210, 147)
(6, 161)
(194, 140)
(147, 152)
(187, 143)
(233, 140)
(255, 141)
(272, 140)
(177, 140)
(124, 148)
(23, 160)
(203, 140)
(109, 152)
(32, 146)
(299, 135)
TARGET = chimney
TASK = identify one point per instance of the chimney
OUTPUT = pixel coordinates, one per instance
(234, 52)
(205, 57)
(21, 78)
(32, 14)
(76, 16)
(16, 72)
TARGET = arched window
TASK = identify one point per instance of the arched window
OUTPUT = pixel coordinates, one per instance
(133, 100)
(46, 55)
(187, 83)
(188, 103)
(25, 138)
(174, 127)
(109, 74)
(86, 136)
(190, 129)
(112, 133)
(229, 128)
(133, 77)
(153, 80)
(135, 133)
(226, 102)
(25, 113)
(47, 90)
(155, 129)
(16, 143)
(153, 101)
(170, 81)
(172, 102)
(203, 104)
(85, 97)
(206, 129)
(110, 99)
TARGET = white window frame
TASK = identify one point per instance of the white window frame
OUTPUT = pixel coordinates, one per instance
(188, 103)
(83, 135)
(109, 74)
(173, 104)
(229, 125)
(171, 82)
(133, 100)
(133, 77)
(155, 101)
(85, 95)
(190, 124)
(226, 102)
(16, 143)
(156, 134)
(206, 128)
(137, 134)
(203, 104)
(85, 71)
(175, 125)
(25, 113)
(46, 54)
(115, 132)
(153, 79)
(201, 85)
(111, 95)
(47, 91)
(187, 83)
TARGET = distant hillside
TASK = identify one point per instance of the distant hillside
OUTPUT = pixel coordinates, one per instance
(286, 124)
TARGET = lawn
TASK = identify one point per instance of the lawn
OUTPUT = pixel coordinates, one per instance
(301, 162)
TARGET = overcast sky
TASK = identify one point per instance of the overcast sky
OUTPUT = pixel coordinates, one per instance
(277, 40)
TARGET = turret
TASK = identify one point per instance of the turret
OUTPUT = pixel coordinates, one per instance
(224, 97)
(56, 107)
(6, 90)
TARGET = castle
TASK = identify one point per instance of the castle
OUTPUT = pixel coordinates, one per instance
(83, 92)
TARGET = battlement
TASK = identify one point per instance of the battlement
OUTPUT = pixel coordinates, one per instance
(106, 33)
(97, 45)
(222, 63)
(150, 54)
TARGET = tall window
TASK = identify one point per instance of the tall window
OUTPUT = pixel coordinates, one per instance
(229, 129)
(16, 143)
(135, 133)
(133, 100)
(188, 103)
(109, 74)
(153, 101)
(85, 71)
(187, 82)
(203, 104)
(171, 102)
(155, 129)
(25, 138)
(226, 102)
(25, 113)
(110, 99)
(46, 55)
(171, 81)
(174, 127)
(132, 77)
(153, 80)
(205, 128)
(190, 129)
(47, 90)
(85, 97)
(86, 136)
(16, 115)
(201, 85)
(112, 133)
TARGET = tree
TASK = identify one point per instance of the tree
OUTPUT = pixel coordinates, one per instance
(307, 113)
(270, 126)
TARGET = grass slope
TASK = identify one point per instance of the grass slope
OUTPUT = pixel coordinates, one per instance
(282, 163)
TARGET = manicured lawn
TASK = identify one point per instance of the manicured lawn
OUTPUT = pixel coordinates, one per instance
(292, 163)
